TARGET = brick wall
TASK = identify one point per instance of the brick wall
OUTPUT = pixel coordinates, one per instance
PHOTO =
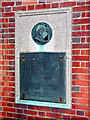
(9, 110)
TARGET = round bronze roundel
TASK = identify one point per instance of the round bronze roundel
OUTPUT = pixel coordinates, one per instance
(41, 33)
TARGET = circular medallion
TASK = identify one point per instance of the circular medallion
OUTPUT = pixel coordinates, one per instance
(41, 33)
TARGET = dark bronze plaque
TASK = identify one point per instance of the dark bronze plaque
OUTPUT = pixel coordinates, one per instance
(42, 77)
(41, 33)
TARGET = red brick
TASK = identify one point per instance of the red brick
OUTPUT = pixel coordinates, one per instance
(20, 116)
(87, 113)
(79, 112)
(81, 33)
(11, 30)
(80, 82)
(88, 39)
(5, 25)
(12, 73)
(8, 93)
(6, 41)
(79, 70)
(40, 118)
(80, 21)
(82, 40)
(8, 9)
(80, 46)
(67, 4)
(83, 89)
(41, 113)
(9, 57)
(30, 112)
(4, 4)
(9, 114)
(54, 110)
(8, 25)
(11, 20)
(20, 106)
(87, 14)
(80, 107)
(87, 88)
(54, 115)
(78, 118)
(76, 52)
(6, 19)
(11, 62)
(11, 83)
(67, 117)
(31, 7)
(31, 118)
(31, 107)
(8, 109)
(82, 27)
(82, 101)
(55, 5)
(6, 83)
(11, 24)
(87, 27)
(76, 15)
(1, 30)
(5, 68)
(12, 46)
(80, 94)
(19, 111)
(5, 98)
(9, 89)
(1, 51)
(11, 51)
(83, 14)
(85, 52)
(3, 113)
(3, 103)
(9, 78)
(42, 6)
(81, 58)
(83, 64)
(23, 8)
(18, 3)
(10, 104)
(76, 64)
(76, 27)
(5, 31)
(1, 9)
(2, 41)
(81, 3)
(1, 20)
(88, 64)
(1, 83)
(8, 35)
(67, 111)
(11, 14)
(12, 99)
(81, 8)
(42, 108)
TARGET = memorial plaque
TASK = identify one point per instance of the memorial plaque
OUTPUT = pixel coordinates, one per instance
(41, 33)
(42, 76)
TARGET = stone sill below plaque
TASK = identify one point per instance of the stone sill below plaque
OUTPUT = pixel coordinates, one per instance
(43, 104)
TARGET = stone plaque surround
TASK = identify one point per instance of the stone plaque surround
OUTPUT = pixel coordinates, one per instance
(60, 21)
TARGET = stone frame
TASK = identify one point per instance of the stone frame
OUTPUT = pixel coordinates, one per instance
(68, 57)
